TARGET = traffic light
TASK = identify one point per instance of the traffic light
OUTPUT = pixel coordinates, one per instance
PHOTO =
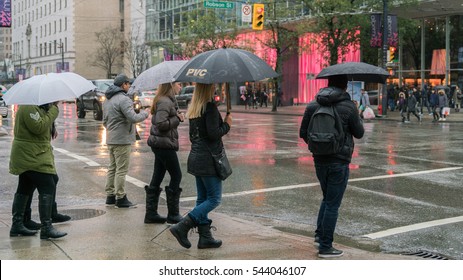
(391, 57)
(258, 16)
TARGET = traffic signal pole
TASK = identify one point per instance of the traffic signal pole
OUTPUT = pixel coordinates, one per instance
(383, 96)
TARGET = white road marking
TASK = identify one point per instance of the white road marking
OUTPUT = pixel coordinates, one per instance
(87, 161)
(385, 233)
(409, 228)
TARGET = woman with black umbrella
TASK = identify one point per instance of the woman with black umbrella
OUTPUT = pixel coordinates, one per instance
(206, 131)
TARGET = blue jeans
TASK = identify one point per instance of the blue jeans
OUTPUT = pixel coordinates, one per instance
(209, 189)
(333, 179)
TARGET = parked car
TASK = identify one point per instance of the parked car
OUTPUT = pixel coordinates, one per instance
(185, 95)
(93, 100)
(3, 108)
(145, 98)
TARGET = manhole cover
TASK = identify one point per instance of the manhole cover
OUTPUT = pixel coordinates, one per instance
(82, 214)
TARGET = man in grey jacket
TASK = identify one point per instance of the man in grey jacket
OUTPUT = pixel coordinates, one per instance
(119, 119)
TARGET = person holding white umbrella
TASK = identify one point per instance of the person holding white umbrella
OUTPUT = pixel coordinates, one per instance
(33, 160)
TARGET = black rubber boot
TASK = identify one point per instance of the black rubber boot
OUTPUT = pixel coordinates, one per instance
(19, 206)
(173, 201)
(152, 200)
(45, 208)
(57, 217)
(180, 231)
(28, 222)
(205, 237)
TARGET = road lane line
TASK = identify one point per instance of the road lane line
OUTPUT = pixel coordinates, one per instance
(405, 174)
(87, 161)
(398, 230)
(135, 181)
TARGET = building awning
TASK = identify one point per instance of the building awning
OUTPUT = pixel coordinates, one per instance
(429, 8)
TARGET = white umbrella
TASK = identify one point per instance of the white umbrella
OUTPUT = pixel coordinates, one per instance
(48, 88)
(158, 74)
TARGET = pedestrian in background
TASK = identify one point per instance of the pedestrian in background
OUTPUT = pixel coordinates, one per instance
(434, 102)
(33, 160)
(443, 102)
(163, 141)
(457, 99)
(206, 131)
(402, 105)
(412, 104)
(364, 102)
(333, 170)
(119, 119)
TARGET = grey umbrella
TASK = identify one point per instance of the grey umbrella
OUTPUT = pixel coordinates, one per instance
(225, 65)
(355, 71)
(159, 74)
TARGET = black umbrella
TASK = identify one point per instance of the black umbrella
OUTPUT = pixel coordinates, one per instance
(355, 71)
(225, 65)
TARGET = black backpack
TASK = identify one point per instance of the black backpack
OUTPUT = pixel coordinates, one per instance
(325, 133)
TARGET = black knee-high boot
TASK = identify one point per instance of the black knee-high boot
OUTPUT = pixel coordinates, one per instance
(28, 222)
(152, 201)
(55, 216)
(19, 207)
(45, 209)
(173, 201)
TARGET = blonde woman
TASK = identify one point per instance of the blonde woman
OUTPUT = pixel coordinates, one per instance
(206, 131)
(163, 141)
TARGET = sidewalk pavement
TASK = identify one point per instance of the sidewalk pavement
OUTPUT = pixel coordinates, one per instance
(298, 110)
(99, 232)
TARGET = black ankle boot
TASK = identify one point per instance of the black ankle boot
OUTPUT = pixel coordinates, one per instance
(19, 206)
(45, 208)
(173, 201)
(180, 231)
(205, 237)
(152, 201)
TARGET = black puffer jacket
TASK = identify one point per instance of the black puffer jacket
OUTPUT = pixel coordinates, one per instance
(206, 135)
(353, 125)
(164, 123)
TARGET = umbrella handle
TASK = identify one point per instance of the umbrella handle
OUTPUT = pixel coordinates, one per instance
(227, 96)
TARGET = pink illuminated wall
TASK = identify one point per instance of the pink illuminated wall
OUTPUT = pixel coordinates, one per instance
(309, 63)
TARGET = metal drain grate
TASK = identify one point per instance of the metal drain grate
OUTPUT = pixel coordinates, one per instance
(426, 255)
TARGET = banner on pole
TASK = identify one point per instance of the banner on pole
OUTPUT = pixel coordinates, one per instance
(5, 13)
(392, 33)
(376, 34)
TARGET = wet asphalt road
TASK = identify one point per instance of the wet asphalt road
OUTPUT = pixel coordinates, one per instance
(405, 182)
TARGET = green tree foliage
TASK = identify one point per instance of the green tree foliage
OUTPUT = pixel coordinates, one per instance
(206, 30)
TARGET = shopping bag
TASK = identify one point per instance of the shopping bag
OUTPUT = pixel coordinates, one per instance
(368, 114)
(446, 111)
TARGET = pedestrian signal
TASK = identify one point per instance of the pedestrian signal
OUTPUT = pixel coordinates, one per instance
(391, 56)
(258, 16)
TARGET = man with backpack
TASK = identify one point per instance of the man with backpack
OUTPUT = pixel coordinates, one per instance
(329, 124)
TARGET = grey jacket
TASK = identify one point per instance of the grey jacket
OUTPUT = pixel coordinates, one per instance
(119, 117)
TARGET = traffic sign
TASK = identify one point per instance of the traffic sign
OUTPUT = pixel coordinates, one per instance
(219, 5)
(246, 13)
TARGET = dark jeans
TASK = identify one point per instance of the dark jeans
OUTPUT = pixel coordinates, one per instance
(31, 180)
(209, 196)
(166, 160)
(333, 179)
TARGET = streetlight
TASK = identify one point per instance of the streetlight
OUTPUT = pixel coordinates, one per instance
(61, 46)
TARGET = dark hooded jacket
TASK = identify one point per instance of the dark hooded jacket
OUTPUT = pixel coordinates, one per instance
(206, 134)
(352, 124)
